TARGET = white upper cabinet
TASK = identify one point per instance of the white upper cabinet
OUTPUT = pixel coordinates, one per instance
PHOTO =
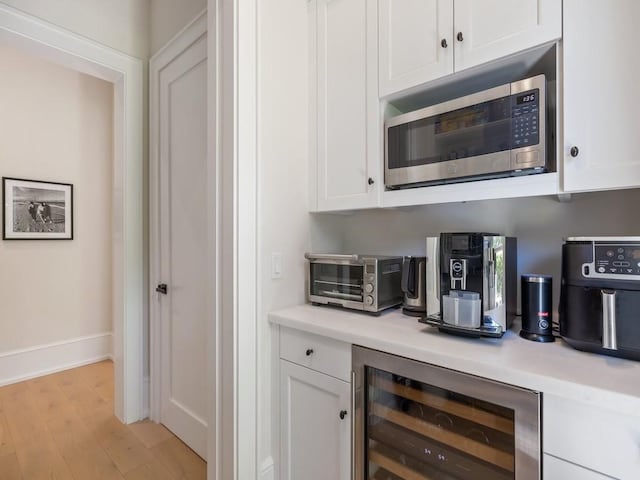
(490, 29)
(415, 42)
(422, 40)
(601, 71)
(348, 149)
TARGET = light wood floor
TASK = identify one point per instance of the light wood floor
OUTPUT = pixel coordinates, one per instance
(62, 427)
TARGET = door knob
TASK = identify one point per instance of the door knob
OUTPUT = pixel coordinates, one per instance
(162, 288)
(574, 152)
(371, 181)
(444, 43)
(460, 37)
(309, 352)
(343, 413)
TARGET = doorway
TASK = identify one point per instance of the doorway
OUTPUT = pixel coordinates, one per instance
(35, 36)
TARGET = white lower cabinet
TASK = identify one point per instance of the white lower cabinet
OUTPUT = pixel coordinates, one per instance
(315, 407)
(315, 430)
(598, 439)
(557, 469)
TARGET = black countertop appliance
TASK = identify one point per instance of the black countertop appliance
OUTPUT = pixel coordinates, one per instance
(600, 295)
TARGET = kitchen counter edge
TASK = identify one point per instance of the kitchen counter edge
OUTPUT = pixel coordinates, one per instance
(551, 368)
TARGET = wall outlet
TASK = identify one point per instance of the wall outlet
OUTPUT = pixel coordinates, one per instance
(276, 265)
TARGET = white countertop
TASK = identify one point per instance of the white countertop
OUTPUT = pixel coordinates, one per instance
(552, 368)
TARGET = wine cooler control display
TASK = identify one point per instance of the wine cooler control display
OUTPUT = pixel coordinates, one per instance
(425, 422)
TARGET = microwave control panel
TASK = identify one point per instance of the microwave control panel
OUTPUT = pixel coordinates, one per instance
(525, 119)
(617, 259)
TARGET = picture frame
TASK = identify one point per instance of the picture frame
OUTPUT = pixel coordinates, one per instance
(36, 210)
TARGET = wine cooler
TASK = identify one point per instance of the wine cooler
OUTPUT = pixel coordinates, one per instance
(416, 421)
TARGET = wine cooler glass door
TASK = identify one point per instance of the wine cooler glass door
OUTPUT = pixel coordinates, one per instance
(423, 427)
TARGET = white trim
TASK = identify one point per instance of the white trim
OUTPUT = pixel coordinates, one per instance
(24, 364)
(146, 392)
(246, 200)
(60, 46)
(222, 152)
(267, 470)
(181, 42)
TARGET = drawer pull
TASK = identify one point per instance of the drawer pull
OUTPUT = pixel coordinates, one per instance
(309, 352)
(343, 413)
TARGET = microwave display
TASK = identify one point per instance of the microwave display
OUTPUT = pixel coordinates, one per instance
(498, 132)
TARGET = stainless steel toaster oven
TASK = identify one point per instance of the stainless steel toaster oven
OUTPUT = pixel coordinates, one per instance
(370, 283)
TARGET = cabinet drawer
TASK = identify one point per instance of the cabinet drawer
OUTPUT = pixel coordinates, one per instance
(556, 469)
(598, 439)
(316, 352)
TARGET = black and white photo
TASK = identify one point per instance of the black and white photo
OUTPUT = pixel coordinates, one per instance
(37, 210)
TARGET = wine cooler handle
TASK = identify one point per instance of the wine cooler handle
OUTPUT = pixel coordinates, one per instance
(353, 425)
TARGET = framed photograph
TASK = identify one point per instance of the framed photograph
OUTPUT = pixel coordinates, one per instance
(36, 210)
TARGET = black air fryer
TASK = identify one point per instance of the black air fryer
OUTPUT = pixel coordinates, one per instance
(600, 295)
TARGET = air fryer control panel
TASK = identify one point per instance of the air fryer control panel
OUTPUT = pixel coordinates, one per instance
(614, 260)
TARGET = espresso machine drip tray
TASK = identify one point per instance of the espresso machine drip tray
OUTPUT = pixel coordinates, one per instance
(487, 329)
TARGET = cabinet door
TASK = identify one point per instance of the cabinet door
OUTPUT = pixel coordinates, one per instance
(347, 104)
(489, 29)
(601, 71)
(556, 469)
(315, 441)
(599, 439)
(416, 42)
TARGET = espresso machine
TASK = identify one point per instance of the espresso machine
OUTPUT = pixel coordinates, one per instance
(476, 282)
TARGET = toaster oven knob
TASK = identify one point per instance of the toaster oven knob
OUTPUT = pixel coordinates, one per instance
(368, 288)
(369, 300)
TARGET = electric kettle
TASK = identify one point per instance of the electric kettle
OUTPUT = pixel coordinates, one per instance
(414, 286)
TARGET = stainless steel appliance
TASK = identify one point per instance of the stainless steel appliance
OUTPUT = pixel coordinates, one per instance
(474, 276)
(370, 283)
(600, 295)
(413, 286)
(498, 132)
(417, 421)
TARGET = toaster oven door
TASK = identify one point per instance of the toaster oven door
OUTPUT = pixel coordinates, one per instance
(337, 283)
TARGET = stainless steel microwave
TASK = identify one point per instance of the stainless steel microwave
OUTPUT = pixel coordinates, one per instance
(497, 132)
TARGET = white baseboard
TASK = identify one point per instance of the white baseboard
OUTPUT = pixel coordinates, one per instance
(267, 469)
(146, 391)
(19, 365)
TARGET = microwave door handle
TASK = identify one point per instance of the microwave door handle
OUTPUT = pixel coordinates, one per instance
(609, 337)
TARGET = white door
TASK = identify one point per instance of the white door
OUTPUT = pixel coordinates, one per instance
(348, 105)
(601, 71)
(315, 425)
(416, 42)
(183, 216)
(489, 29)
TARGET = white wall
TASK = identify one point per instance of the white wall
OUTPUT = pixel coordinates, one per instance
(57, 125)
(119, 24)
(168, 17)
(283, 157)
(540, 224)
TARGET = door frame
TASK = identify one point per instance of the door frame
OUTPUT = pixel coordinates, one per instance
(193, 32)
(57, 45)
